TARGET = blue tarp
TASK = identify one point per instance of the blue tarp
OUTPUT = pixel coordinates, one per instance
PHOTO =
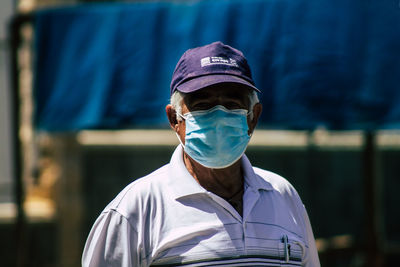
(318, 62)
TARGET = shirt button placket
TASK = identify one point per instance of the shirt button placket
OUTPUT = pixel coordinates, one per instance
(244, 234)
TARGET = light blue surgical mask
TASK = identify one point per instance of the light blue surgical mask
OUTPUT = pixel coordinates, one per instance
(216, 138)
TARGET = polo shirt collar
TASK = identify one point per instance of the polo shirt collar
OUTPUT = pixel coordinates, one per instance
(251, 179)
(182, 183)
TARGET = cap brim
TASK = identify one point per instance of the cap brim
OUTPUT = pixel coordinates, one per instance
(208, 80)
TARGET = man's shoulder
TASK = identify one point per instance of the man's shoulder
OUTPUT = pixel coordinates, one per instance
(278, 182)
(282, 189)
(140, 190)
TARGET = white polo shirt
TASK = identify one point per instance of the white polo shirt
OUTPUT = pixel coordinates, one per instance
(167, 219)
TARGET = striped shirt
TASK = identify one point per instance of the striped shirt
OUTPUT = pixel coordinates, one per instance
(168, 219)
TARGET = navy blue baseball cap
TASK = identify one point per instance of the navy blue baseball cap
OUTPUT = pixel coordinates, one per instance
(211, 64)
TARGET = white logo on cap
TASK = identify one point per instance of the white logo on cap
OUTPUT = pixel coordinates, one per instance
(206, 61)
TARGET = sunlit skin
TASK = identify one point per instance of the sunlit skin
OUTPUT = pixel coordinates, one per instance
(222, 182)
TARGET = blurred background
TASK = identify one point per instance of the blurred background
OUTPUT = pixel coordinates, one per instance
(83, 90)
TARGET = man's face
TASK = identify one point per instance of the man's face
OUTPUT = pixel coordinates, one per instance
(229, 95)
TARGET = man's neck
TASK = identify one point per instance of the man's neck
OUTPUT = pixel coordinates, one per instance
(224, 182)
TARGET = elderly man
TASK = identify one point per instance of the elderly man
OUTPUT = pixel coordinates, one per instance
(208, 206)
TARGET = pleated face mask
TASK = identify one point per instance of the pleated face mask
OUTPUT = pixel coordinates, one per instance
(216, 138)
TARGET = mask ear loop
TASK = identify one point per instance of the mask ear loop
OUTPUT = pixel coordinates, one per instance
(250, 113)
(180, 141)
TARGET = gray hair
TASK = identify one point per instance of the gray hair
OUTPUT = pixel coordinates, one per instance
(177, 100)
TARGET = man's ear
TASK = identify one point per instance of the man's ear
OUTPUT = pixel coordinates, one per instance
(257, 109)
(171, 114)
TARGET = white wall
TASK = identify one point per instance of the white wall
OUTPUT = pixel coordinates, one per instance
(6, 10)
